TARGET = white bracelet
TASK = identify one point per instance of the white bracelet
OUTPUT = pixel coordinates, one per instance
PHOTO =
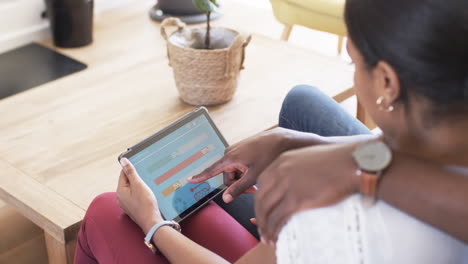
(155, 228)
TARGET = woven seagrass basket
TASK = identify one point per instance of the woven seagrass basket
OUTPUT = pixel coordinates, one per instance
(204, 76)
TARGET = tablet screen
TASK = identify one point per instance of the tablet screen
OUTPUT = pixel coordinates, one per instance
(165, 165)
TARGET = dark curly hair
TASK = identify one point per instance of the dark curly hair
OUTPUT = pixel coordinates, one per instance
(425, 41)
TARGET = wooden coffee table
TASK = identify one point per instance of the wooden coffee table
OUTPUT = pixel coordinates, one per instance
(59, 142)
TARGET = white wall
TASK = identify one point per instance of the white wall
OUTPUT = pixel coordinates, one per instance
(21, 22)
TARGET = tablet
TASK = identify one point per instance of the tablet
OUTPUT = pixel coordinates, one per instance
(166, 159)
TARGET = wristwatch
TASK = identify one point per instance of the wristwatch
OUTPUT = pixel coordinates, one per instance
(372, 158)
(149, 236)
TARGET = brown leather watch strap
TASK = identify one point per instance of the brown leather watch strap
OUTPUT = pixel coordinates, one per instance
(368, 186)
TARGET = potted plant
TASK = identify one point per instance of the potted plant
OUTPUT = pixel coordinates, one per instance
(206, 61)
(183, 9)
(207, 7)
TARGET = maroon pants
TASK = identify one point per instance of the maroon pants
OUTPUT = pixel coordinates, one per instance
(108, 235)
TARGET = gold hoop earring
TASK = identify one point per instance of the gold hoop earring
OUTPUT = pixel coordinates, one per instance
(388, 109)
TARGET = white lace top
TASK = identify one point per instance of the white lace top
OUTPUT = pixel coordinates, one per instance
(348, 233)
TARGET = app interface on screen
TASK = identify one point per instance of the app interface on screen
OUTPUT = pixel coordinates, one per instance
(165, 165)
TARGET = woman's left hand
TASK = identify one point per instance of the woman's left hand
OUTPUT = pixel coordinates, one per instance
(302, 179)
(136, 199)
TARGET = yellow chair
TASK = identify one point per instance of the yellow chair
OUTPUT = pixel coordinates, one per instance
(322, 15)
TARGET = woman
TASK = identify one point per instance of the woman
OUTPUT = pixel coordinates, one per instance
(412, 77)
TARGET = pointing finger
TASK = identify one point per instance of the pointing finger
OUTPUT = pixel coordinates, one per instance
(208, 172)
(217, 169)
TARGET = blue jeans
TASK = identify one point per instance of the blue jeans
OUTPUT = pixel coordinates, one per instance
(307, 109)
(304, 109)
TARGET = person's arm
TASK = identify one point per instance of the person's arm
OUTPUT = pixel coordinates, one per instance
(243, 162)
(177, 248)
(139, 203)
(405, 178)
(437, 195)
(292, 139)
(320, 176)
(262, 253)
(432, 193)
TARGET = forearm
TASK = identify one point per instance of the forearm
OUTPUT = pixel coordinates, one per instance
(262, 253)
(434, 194)
(177, 248)
(294, 139)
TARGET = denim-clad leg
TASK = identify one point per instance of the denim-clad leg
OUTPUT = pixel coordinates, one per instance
(307, 109)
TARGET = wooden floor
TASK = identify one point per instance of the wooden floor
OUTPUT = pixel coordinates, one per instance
(23, 242)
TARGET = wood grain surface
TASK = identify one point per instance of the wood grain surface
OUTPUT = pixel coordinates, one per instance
(59, 142)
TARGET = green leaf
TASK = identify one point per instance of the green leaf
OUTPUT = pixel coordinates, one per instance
(215, 2)
(205, 6)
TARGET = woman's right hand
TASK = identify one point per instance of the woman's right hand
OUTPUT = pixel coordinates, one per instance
(136, 199)
(244, 161)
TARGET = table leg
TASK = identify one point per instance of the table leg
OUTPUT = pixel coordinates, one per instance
(58, 252)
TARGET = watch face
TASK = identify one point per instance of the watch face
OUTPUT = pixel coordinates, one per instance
(373, 156)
